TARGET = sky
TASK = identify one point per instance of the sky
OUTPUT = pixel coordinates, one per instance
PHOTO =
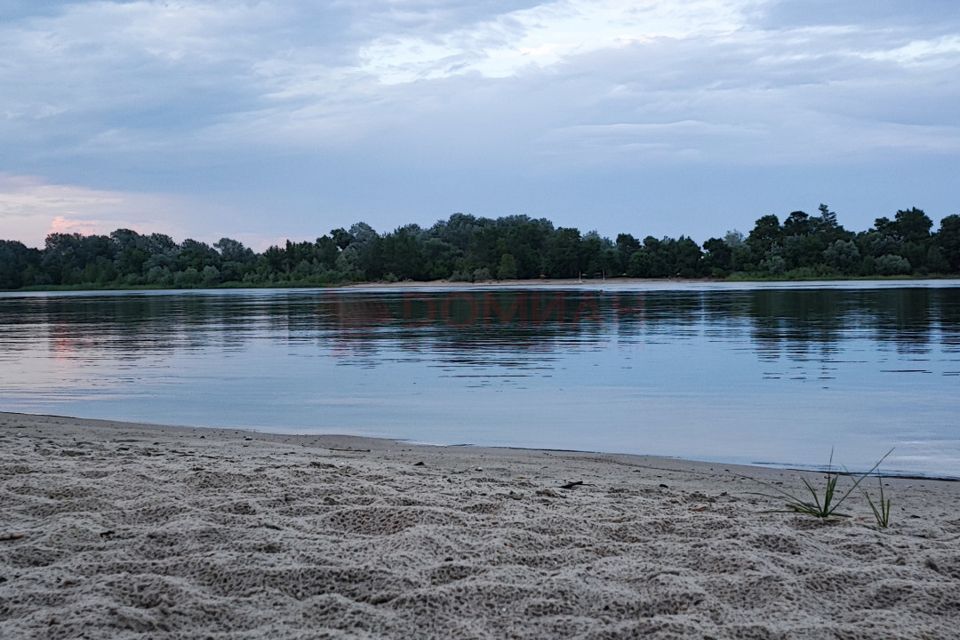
(267, 120)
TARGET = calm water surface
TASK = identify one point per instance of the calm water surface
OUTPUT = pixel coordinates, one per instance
(774, 374)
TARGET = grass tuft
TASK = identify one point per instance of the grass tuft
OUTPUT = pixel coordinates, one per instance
(881, 511)
(826, 505)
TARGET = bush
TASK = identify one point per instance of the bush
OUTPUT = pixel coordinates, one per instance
(482, 275)
(842, 255)
(892, 265)
(189, 277)
(774, 265)
(211, 276)
(508, 267)
(460, 276)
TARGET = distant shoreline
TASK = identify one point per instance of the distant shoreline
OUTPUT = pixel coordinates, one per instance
(551, 282)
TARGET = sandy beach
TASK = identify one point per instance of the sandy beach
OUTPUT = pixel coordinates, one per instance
(111, 530)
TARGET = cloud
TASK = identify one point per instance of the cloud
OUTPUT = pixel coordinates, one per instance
(30, 208)
(546, 34)
(280, 116)
(929, 51)
(214, 77)
(61, 224)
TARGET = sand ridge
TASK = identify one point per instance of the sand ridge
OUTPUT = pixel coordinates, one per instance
(111, 530)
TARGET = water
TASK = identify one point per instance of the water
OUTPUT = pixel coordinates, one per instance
(771, 374)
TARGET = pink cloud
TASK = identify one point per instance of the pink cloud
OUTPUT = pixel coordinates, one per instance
(62, 224)
(31, 208)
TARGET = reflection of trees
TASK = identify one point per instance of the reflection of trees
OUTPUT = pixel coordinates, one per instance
(946, 308)
(476, 326)
(904, 319)
(126, 326)
(508, 328)
(798, 323)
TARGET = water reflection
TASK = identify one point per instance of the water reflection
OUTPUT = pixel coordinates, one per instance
(633, 362)
(799, 325)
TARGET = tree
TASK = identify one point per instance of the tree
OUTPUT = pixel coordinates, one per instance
(948, 239)
(912, 225)
(402, 253)
(131, 252)
(365, 245)
(842, 255)
(592, 254)
(686, 258)
(828, 219)
(912, 228)
(774, 264)
(766, 234)
(197, 255)
(342, 238)
(733, 238)
(797, 224)
(718, 259)
(19, 265)
(526, 240)
(327, 251)
(210, 276)
(234, 251)
(626, 246)
(891, 265)
(470, 248)
(875, 243)
(440, 257)
(236, 260)
(507, 270)
(936, 262)
(563, 254)
(67, 256)
(159, 243)
(666, 258)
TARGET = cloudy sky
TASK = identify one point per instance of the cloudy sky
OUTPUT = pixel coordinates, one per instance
(269, 119)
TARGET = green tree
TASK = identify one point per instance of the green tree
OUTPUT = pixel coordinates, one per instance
(766, 235)
(469, 248)
(210, 277)
(342, 238)
(774, 264)
(687, 258)
(827, 221)
(562, 259)
(327, 251)
(131, 252)
(507, 270)
(797, 224)
(718, 257)
(626, 246)
(842, 255)
(594, 259)
(892, 265)
(196, 255)
(66, 257)
(235, 260)
(912, 225)
(19, 265)
(948, 239)
(234, 251)
(912, 228)
(402, 253)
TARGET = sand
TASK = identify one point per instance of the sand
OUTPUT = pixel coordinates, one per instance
(112, 530)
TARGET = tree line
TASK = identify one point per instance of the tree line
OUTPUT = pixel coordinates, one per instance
(470, 248)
